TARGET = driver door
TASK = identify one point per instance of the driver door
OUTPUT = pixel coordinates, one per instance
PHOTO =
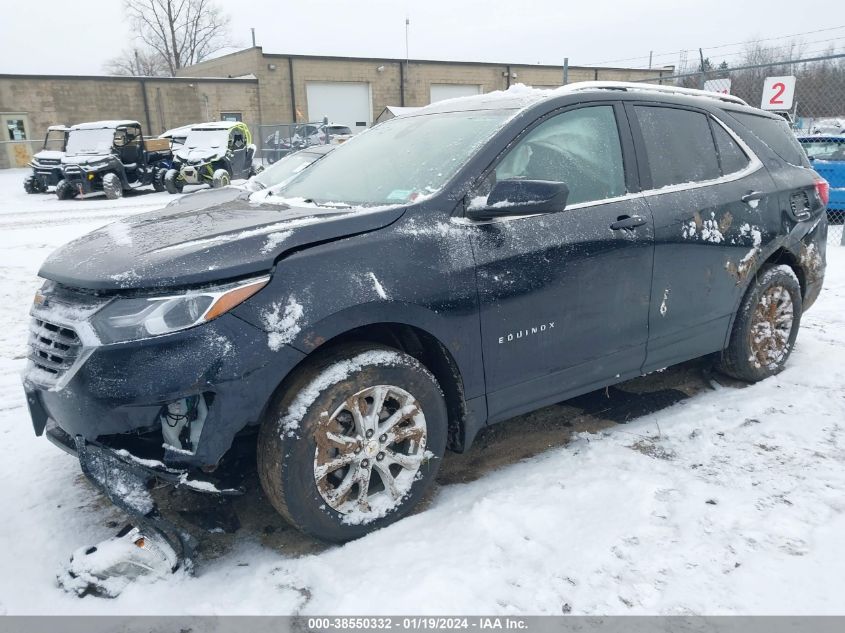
(564, 297)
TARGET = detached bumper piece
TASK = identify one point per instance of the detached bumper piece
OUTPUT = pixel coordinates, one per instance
(155, 546)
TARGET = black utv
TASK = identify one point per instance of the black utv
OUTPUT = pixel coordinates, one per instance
(214, 154)
(112, 157)
(47, 164)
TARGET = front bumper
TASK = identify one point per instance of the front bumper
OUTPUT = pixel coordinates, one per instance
(196, 174)
(113, 395)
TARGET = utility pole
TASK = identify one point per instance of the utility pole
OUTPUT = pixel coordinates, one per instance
(703, 76)
(407, 60)
(565, 70)
(253, 36)
(650, 54)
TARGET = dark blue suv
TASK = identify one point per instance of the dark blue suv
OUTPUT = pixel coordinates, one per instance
(440, 272)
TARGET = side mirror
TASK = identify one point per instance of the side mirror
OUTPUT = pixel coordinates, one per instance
(521, 197)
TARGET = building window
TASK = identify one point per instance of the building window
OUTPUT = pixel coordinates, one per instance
(231, 116)
(16, 129)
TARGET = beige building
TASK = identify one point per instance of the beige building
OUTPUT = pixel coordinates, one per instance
(31, 103)
(261, 89)
(353, 91)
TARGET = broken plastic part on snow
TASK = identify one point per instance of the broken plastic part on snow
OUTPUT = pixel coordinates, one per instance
(107, 568)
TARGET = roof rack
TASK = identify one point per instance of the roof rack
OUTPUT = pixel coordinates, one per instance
(628, 85)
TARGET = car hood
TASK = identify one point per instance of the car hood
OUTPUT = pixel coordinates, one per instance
(84, 159)
(205, 238)
(199, 154)
(49, 154)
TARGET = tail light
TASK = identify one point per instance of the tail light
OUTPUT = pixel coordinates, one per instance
(823, 189)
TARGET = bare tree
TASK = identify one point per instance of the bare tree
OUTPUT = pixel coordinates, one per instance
(137, 62)
(177, 33)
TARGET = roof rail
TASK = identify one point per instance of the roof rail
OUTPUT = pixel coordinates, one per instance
(628, 85)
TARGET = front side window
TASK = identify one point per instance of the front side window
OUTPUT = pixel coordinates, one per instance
(580, 148)
(678, 144)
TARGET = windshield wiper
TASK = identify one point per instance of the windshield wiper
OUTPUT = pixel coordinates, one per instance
(333, 205)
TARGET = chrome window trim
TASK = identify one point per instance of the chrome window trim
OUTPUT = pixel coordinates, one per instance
(754, 165)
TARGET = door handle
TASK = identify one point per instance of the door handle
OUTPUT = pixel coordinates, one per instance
(751, 196)
(628, 222)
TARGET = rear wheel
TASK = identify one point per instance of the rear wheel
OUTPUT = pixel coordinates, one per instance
(220, 178)
(765, 327)
(158, 179)
(353, 443)
(172, 182)
(112, 186)
(65, 190)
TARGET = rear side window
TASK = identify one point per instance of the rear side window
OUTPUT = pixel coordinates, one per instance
(679, 145)
(776, 134)
(731, 157)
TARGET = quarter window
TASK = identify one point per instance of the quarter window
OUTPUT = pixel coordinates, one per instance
(678, 144)
(731, 157)
(580, 148)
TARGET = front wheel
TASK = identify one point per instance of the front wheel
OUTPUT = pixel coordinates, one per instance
(766, 326)
(112, 186)
(220, 178)
(353, 443)
(172, 182)
(31, 184)
(65, 190)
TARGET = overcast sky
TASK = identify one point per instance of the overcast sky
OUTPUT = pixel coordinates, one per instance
(57, 37)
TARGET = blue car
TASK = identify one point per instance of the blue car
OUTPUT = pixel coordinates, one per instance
(827, 155)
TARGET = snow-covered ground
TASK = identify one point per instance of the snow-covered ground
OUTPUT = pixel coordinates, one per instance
(732, 501)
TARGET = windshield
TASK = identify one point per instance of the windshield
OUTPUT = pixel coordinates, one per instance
(282, 172)
(824, 150)
(98, 141)
(207, 139)
(55, 140)
(397, 161)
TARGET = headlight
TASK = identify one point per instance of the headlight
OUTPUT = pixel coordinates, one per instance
(142, 317)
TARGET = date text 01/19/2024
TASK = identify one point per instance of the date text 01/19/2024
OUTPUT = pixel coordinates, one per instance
(416, 623)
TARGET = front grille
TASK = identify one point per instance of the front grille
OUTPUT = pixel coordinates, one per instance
(53, 348)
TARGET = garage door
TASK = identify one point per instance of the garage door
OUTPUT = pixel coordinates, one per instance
(345, 103)
(439, 92)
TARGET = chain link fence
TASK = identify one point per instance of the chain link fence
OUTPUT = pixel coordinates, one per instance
(277, 140)
(809, 93)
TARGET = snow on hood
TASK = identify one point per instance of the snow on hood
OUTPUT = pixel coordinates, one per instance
(199, 154)
(84, 159)
(209, 238)
(49, 154)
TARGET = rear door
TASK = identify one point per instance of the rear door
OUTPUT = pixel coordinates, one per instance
(564, 297)
(714, 205)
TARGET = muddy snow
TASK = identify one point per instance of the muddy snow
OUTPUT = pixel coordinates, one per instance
(711, 497)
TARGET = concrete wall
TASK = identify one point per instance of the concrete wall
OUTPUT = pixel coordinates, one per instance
(274, 76)
(171, 102)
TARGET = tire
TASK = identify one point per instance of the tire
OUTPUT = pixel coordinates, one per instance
(65, 190)
(765, 327)
(294, 443)
(158, 179)
(31, 184)
(112, 186)
(172, 182)
(220, 178)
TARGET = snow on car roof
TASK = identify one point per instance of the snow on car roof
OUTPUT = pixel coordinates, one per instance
(216, 125)
(520, 96)
(58, 128)
(103, 125)
(177, 131)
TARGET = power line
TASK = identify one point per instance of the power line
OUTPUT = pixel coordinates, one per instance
(710, 48)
